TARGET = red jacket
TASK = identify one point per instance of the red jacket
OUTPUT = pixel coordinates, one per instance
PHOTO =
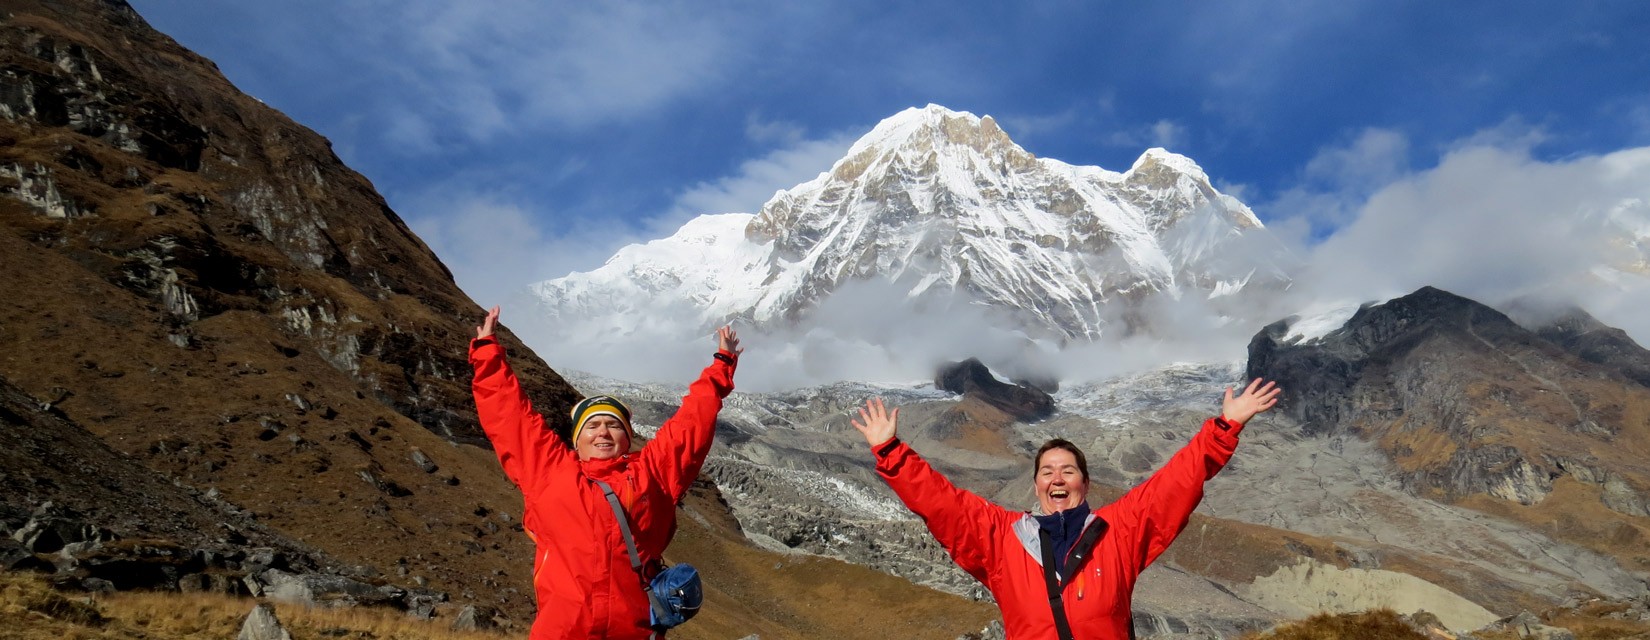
(581, 571)
(1000, 548)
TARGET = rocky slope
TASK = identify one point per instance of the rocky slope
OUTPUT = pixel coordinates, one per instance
(1477, 411)
(200, 283)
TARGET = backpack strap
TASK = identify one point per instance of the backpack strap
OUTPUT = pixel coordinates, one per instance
(630, 544)
(1080, 553)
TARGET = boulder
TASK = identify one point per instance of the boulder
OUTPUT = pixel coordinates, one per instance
(16, 557)
(261, 624)
(476, 618)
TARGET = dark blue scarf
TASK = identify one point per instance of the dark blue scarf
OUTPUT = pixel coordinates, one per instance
(1063, 530)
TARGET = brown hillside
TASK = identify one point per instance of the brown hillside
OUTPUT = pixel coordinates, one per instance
(200, 282)
(1476, 409)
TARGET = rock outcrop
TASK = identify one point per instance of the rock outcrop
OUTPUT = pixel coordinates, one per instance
(972, 379)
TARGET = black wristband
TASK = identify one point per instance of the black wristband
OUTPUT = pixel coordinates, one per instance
(887, 447)
(1224, 424)
(724, 358)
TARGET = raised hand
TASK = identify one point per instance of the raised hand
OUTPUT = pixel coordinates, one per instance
(876, 422)
(487, 325)
(1254, 399)
(728, 340)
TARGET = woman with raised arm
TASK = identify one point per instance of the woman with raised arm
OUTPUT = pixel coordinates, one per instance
(1067, 572)
(583, 574)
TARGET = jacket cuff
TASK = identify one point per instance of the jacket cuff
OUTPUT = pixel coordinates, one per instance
(731, 359)
(885, 449)
(1224, 431)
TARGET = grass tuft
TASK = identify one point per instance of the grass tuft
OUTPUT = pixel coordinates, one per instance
(1381, 624)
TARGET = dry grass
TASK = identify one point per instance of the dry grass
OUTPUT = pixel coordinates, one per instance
(31, 610)
(1381, 624)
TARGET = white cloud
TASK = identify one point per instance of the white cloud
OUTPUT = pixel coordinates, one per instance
(1167, 134)
(1334, 184)
(756, 181)
(495, 247)
(483, 70)
(1493, 223)
(1163, 133)
(764, 131)
(1030, 126)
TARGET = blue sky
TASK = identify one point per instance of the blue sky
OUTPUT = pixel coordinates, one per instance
(527, 138)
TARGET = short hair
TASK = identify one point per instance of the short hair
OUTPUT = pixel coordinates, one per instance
(1061, 443)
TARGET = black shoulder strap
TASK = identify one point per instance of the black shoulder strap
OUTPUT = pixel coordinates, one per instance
(1084, 549)
(630, 544)
(1052, 580)
(1080, 553)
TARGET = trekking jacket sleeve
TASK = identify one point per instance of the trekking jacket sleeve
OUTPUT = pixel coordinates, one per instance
(1161, 506)
(526, 449)
(964, 523)
(678, 450)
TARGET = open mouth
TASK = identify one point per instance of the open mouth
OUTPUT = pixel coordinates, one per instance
(1058, 494)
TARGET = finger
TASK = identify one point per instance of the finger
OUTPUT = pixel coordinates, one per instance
(1267, 388)
(1228, 399)
(1253, 384)
(894, 417)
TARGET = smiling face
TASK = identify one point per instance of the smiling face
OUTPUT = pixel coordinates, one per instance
(1061, 483)
(603, 437)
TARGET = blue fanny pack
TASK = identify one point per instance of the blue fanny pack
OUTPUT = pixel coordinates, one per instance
(675, 594)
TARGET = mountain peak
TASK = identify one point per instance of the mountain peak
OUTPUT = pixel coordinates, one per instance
(1158, 157)
(924, 129)
(944, 209)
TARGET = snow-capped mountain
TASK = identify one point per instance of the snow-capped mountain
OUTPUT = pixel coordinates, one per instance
(941, 210)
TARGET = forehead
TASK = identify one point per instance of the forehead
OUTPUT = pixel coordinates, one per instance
(1057, 458)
